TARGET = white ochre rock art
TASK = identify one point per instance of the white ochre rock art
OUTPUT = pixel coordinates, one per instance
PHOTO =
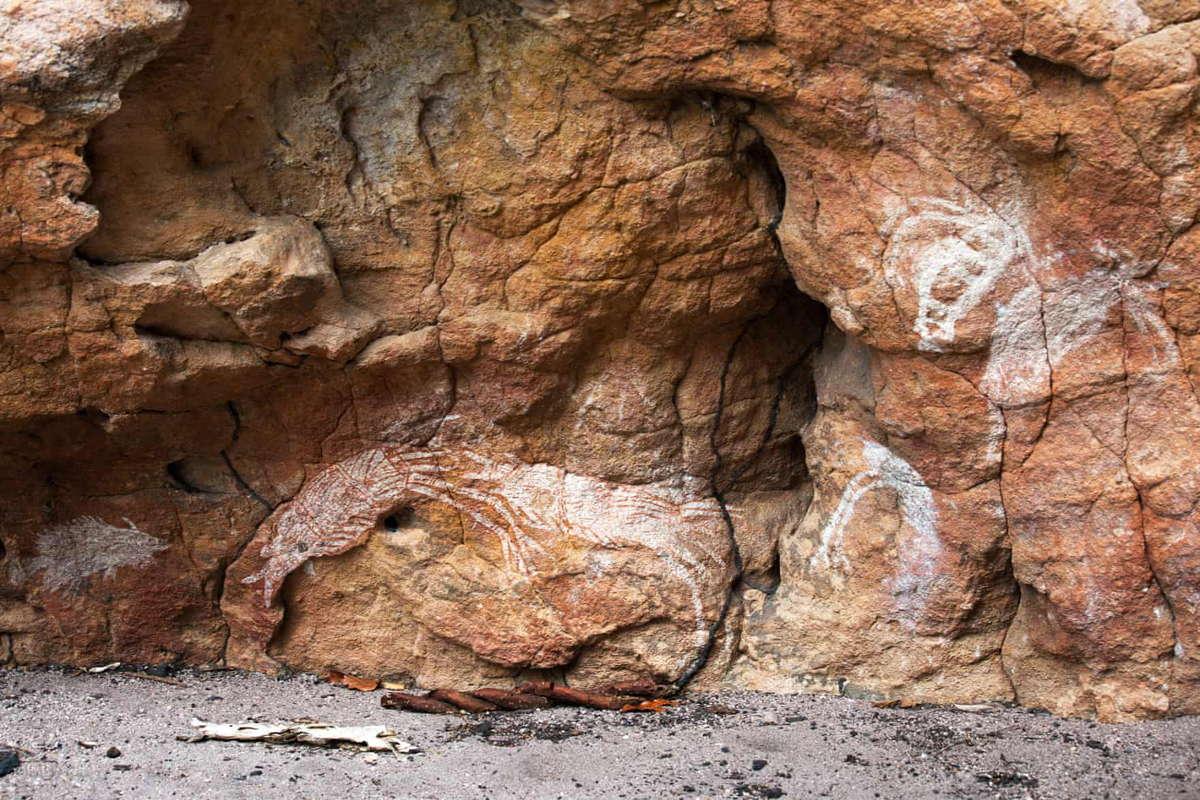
(528, 513)
(917, 547)
(70, 554)
(429, 361)
(950, 256)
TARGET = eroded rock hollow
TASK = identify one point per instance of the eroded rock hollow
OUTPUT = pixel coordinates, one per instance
(819, 346)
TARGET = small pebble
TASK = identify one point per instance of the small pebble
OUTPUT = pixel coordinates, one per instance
(113, 752)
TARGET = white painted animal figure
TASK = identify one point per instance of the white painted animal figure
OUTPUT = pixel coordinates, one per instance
(71, 553)
(950, 256)
(526, 507)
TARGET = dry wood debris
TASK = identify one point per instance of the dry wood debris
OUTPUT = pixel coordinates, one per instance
(371, 737)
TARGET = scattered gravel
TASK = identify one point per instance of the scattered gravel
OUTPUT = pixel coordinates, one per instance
(734, 744)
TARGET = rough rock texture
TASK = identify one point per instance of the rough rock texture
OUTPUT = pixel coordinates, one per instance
(822, 346)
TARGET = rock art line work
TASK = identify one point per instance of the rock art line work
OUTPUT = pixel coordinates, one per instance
(1024, 349)
(953, 252)
(69, 554)
(542, 260)
(885, 470)
(1018, 368)
(528, 508)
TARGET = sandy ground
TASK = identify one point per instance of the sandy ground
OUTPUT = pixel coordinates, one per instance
(773, 746)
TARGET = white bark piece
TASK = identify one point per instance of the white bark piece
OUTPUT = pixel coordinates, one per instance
(372, 737)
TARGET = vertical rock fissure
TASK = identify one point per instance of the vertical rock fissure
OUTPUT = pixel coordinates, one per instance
(223, 573)
(719, 491)
(766, 161)
(718, 495)
(237, 478)
(1141, 501)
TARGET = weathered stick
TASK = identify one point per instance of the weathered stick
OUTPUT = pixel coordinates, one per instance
(532, 687)
(372, 737)
(463, 700)
(575, 697)
(514, 701)
(411, 702)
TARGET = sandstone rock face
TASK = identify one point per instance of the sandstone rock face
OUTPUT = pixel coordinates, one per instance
(799, 346)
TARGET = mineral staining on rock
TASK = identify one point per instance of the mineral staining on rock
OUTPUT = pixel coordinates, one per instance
(448, 325)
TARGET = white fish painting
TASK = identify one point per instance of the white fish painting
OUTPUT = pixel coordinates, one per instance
(526, 507)
(69, 554)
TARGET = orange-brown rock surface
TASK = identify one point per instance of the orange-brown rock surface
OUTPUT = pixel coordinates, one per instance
(817, 346)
